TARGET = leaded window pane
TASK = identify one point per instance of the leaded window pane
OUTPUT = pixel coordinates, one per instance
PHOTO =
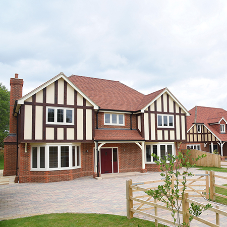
(148, 153)
(73, 156)
(60, 115)
(64, 156)
(42, 157)
(69, 116)
(78, 156)
(169, 150)
(107, 118)
(165, 121)
(114, 118)
(159, 120)
(34, 157)
(50, 115)
(121, 119)
(155, 151)
(53, 157)
(170, 120)
(162, 150)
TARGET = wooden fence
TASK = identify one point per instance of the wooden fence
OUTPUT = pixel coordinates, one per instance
(141, 203)
(211, 160)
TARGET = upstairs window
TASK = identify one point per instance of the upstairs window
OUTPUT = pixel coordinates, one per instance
(222, 128)
(59, 115)
(113, 119)
(199, 128)
(165, 121)
(194, 146)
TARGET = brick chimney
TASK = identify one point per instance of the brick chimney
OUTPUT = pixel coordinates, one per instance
(15, 94)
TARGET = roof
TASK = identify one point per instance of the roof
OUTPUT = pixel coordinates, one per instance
(11, 138)
(122, 135)
(106, 94)
(210, 117)
(113, 95)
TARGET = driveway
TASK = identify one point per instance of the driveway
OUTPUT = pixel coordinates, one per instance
(83, 195)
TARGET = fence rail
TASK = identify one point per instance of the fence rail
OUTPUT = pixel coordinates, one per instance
(144, 204)
(211, 160)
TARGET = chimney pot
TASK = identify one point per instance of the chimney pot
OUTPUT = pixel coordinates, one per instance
(16, 75)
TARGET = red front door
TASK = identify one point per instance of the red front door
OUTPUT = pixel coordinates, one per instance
(106, 160)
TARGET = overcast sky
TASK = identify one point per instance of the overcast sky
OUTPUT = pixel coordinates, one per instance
(147, 45)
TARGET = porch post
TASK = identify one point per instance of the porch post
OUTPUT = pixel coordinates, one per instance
(212, 148)
(95, 164)
(222, 149)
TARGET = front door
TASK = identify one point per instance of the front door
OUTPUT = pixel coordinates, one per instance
(106, 160)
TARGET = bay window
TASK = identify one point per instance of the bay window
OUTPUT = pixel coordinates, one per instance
(55, 157)
(161, 150)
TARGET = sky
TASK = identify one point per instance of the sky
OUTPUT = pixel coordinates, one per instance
(145, 44)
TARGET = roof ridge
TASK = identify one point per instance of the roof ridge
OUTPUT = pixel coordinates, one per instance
(95, 78)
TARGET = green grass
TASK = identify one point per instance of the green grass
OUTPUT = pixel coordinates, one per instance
(1, 160)
(216, 169)
(68, 219)
(223, 192)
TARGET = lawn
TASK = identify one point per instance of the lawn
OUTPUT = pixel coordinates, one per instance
(216, 169)
(68, 219)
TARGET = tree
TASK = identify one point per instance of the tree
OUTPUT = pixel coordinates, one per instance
(4, 113)
(171, 195)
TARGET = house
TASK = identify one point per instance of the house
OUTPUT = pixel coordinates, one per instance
(77, 126)
(206, 130)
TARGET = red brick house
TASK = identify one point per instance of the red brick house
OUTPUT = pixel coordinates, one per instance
(77, 126)
(206, 130)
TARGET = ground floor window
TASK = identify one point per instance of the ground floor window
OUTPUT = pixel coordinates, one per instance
(194, 146)
(55, 157)
(161, 150)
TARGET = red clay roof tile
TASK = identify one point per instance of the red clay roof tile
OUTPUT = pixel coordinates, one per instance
(123, 135)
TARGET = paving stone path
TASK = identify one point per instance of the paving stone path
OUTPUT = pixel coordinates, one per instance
(84, 195)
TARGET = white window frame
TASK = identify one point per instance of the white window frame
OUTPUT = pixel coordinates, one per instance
(55, 115)
(162, 115)
(199, 128)
(47, 168)
(158, 150)
(194, 146)
(222, 128)
(111, 121)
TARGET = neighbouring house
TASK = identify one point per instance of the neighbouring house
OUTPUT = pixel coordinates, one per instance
(206, 130)
(76, 126)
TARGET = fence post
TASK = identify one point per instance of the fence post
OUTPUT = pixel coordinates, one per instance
(207, 185)
(128, 199)
(156, 213)
(212, 187)
(185, 209)
(217, 217)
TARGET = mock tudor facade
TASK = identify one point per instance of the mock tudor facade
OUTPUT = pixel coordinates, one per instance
(206, 130)
(77, 126)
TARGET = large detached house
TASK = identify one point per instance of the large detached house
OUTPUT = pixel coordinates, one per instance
(206, 130)
(77, 126)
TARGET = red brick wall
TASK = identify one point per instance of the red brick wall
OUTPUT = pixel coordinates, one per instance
(15, 94)
(10, 157)
(25, 175)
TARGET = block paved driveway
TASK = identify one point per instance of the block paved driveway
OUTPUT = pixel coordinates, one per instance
(84, 195)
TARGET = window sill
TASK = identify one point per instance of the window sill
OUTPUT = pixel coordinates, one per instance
(55, 169)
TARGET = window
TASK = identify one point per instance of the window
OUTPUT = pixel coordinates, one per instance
(199, 128)
(222, 128)
(160, 150)
(55, 157)
(165, 121)
(194, 146)
(59, 115)
(113, 119)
